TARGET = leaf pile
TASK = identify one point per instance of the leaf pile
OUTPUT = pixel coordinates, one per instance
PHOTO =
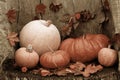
(84, 16)
(77, 68)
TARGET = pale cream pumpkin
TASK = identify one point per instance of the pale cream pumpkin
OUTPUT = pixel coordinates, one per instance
(26, 57)
(107, 57)
(40, 34)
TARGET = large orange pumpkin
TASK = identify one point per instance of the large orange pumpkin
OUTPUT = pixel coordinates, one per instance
(84, 48)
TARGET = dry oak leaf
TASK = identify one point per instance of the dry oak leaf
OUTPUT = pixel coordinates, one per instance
(40, 8)
(45, 72)
(99, 67)
(78, 66)
(11, 14)
(55, 7)
(91, 68)
(64, 72)
(65, 28)
(12, 37)
(85, 74)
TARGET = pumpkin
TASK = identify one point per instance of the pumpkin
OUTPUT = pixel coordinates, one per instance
(84, 48)
(107, 57)
(40, 33)
(26, 57)
(54, 59)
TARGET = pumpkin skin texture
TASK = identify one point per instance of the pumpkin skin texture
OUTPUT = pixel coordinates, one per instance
(84, 48)
(24, 58)
(54, 59)
(107, 57)
(40, 34)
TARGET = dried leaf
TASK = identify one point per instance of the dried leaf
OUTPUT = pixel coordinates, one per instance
(12, 37)
(85, 74)
(106, 5)
(11, 14)
(91, 68)
(86, 16)
(55, 7)
(77, 15)
(65, 28)
(78, 66)
(65, 18)
(64, 72)
(40, 8)
(44, 72)
(99, 67)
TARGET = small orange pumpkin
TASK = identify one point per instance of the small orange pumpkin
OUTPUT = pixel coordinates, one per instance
(54, 59)
(26, 57)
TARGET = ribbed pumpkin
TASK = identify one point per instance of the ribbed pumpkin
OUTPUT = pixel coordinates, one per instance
(40, 33)
(55, 59)
(85, 48)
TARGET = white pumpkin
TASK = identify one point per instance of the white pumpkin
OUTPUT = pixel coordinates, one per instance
(26, 57)
(40, 34)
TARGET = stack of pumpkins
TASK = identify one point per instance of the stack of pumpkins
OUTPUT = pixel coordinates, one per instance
(41, 42)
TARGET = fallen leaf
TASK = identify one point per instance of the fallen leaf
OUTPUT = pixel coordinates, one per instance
(40, 8)
(78, 66)
(44, 72)
(91, 68)
(55, 7)
(12, 37)
(65, 18)
(65, 28)
(64, 72)
(99, 67)
(85, 74)
(11, 14)
(77, 15)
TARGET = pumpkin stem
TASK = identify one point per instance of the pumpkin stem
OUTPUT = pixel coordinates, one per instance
(84, 36)
(50, 49)
(48, 23)
(29, 48)
(109, 46)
